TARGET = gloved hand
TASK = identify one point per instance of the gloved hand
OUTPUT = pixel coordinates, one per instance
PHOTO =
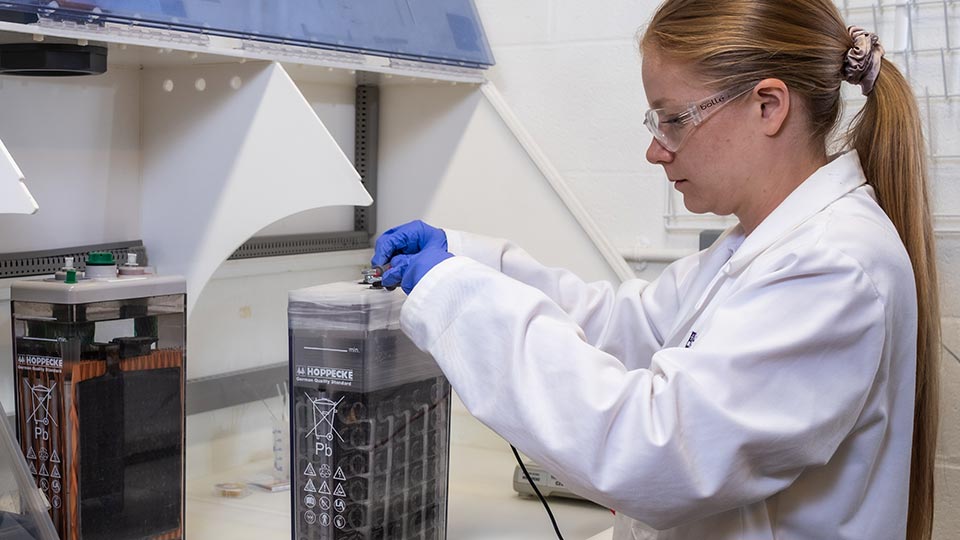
(412, 249)
(408, 270)
(408, 239)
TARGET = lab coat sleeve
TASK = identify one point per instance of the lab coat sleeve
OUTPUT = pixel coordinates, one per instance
(628, 322)
(773, 385)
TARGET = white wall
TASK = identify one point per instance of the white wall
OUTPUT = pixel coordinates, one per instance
(477, 177)
(571, 72)
(89, 191)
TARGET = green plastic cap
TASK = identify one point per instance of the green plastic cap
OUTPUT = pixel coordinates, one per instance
(71, 276)
(100, 258)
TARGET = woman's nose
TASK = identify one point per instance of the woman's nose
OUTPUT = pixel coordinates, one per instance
(657, 154)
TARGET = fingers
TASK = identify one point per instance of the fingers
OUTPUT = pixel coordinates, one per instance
(394, 241)
(403, 239)
(393, 276)
(385, 248)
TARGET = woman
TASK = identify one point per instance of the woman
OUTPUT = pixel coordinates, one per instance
(781, 384)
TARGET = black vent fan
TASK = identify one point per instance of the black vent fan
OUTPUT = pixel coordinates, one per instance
(52, 59)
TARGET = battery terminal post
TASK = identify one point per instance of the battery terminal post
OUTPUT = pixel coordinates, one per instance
(373, 276)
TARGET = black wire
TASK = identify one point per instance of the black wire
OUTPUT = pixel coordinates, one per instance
(953, 354)
(537, 491)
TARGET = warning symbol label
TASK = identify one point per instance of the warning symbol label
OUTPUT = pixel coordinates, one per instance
(33, 469)
(324, 488)
(55, 473)
(309, 471)
(41, 405)
(54, 458)
(339, 491)
(43, 470)
(324, 412)
(339, 475)
(310, 487)
(31, 454)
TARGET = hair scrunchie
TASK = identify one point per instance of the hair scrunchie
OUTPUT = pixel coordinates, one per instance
(862, 62)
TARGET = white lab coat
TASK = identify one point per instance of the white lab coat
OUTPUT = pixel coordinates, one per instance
(760, 389)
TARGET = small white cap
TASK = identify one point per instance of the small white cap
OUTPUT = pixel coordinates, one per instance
(131, 259)
(68, 262)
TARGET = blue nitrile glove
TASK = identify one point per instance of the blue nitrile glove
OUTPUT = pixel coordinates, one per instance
(408, 239)
(408, 270)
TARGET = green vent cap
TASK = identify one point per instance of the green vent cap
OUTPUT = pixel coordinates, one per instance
(100, 258)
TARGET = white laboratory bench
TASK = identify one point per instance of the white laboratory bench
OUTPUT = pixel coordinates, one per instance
(482, 505)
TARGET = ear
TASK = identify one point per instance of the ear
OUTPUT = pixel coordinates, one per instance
(773, 96)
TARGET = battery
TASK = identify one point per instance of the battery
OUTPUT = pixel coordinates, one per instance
(370, 420)
(99, 370)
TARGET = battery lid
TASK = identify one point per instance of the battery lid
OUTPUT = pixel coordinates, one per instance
(96, 290)
(52, 59)
(344, 306)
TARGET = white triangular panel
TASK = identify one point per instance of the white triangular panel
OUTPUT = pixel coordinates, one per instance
(15, 198)
(228, 150)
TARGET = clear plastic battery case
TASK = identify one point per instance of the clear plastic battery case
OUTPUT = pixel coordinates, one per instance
(370, 420)
(99, 372)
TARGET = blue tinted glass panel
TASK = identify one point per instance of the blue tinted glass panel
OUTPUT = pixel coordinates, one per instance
(443, 31)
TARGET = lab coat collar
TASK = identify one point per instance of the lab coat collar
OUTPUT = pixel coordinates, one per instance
(840, 176)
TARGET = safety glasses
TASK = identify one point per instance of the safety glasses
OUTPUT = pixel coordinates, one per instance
(672, 130)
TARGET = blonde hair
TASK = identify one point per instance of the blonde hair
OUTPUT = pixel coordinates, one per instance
(803, 43)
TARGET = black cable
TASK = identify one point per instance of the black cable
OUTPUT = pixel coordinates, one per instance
(537, 491)
(953, 354)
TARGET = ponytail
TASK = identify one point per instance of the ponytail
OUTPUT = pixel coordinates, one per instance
(887, 135)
